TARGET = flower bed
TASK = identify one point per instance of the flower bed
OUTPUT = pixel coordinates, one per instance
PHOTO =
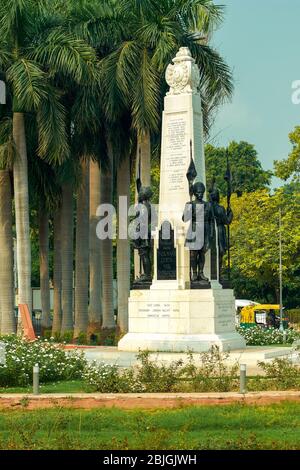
(256, 336)
(54, 363)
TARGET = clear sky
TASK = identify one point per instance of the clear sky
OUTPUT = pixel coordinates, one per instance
(260, 40)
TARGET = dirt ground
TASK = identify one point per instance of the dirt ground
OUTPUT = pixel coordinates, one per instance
(141, 401)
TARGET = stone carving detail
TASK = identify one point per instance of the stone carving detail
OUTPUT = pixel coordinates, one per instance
(183, 76)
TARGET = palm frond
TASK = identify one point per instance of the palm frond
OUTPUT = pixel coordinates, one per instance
(98, 23)
(198, 15)
(7, 145)
(53, 144)
(64, 53)
(86, 110)
(29, 83)
(114, 100)
(142, 8)
(145, 103)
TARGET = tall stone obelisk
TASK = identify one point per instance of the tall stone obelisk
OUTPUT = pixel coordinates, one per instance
(182, 135)
(170, 316)
(182, 123)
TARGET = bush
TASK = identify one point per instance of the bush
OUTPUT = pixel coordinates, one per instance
(55, 364)
(256, 336)
(106, 378)
(280, 374)
(293, 315)
(47, 334)
(81, 338)
(156, 377)
(66, 337)
(212, 375)
(153, 377)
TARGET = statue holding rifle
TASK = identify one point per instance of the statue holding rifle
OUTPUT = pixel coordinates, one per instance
(199, 236)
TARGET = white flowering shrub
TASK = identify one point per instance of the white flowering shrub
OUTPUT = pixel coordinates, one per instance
(54, 362)
(257, 336)
(108, 378)
(147, 376)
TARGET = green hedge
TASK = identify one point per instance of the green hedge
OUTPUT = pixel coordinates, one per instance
(294, 315)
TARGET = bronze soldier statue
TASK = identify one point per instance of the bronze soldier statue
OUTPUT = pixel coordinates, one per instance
(223, 218)
(200, 232)
(143, 242)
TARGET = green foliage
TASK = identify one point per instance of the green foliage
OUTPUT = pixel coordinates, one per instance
(106, 378)
(133, 71)
(290, 168)
(247, 172)
(47, 334)
(81, 338)
(293, 315)
(255, 240)
(7, 145)
(67, 337)
(54, 363)
(213, 375)
(153, 377)
(157, 377)
(280, 374)
(106, 337)
(256, 336)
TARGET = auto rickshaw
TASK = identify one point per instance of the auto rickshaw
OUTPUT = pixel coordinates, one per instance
(264, 315)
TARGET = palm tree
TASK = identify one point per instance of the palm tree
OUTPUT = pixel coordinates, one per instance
(30, 58)
(7, 300)
(67, 249)
(95, 305)
(82, 252)
(107, 248)
(7, 323)
(57, 273)
(44, 266)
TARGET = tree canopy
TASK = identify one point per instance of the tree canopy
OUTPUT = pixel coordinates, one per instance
(255, 241)
(247, 172)
(290, 167)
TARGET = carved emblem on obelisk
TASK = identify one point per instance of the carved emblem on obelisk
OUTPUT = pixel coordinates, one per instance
(183, 76)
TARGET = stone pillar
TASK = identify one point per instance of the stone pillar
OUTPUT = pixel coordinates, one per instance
(182, 124)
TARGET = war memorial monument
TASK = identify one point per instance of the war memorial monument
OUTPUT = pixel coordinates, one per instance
(185, 305)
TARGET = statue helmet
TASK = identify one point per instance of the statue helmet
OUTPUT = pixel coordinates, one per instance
(145, 193)
(198, 187)
(214, 195)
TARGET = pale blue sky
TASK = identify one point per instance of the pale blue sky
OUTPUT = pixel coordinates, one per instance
(260, 40)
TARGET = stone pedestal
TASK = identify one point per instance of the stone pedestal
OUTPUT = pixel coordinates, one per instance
(181, 320)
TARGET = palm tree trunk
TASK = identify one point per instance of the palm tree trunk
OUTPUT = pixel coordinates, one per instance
(82, 253)
(143, 149)
(22, 212)
(67, 240)
(57, 265)
(95, 307)
(123, 246)
(107, 254)
(8, 324)
(44, 267)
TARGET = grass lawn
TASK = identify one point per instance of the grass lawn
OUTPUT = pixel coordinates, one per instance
(221, 427)
(73, 386)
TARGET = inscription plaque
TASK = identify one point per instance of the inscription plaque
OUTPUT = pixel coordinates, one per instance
(176, 152)
(166, 253)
